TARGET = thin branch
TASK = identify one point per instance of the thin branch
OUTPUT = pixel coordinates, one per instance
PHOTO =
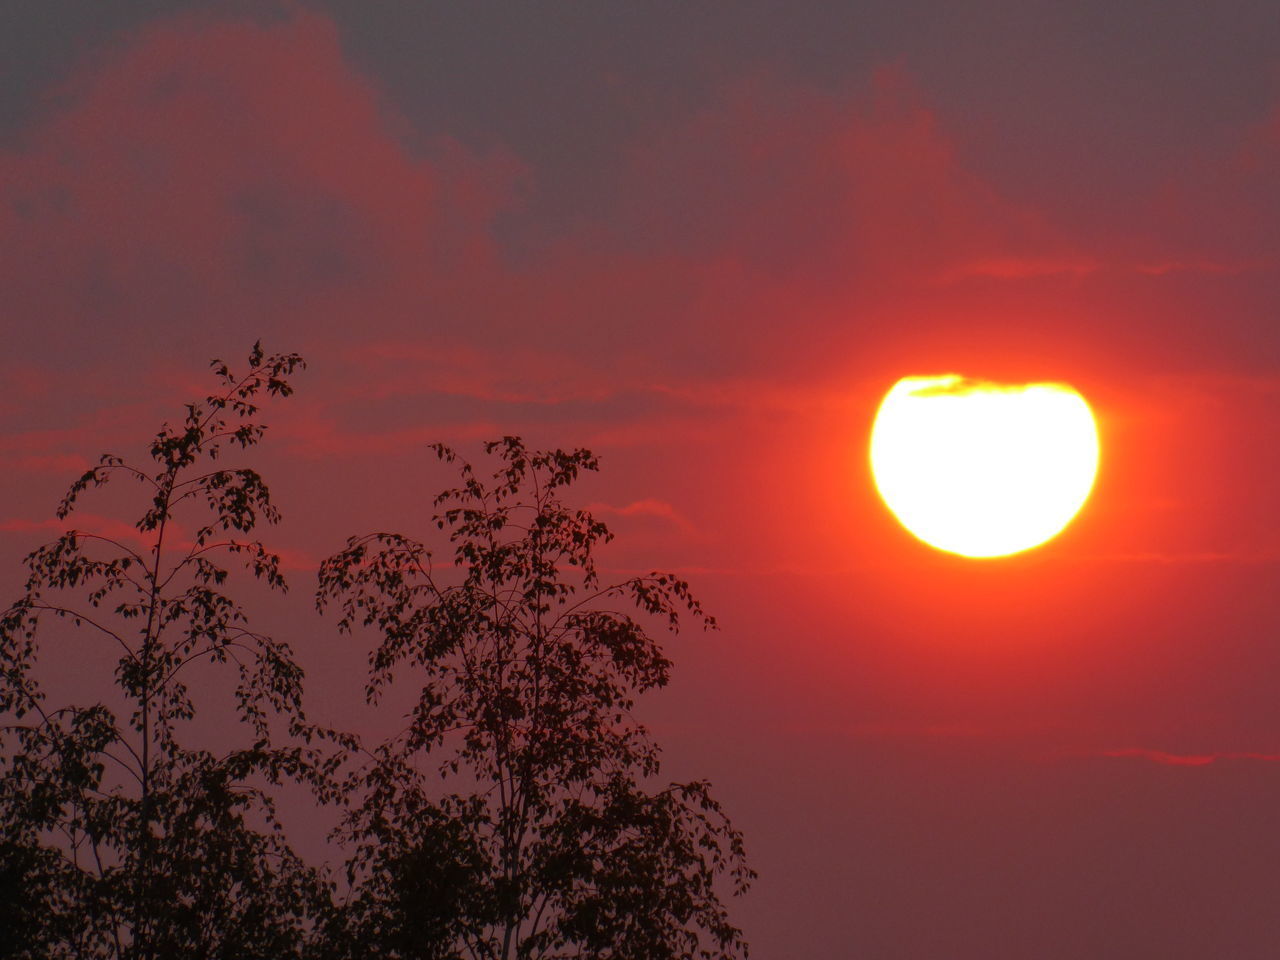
(86, 535)
(77, 615)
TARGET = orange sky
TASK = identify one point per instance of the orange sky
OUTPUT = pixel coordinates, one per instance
(704, 244)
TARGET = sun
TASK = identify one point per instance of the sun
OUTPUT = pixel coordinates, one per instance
(983, 469)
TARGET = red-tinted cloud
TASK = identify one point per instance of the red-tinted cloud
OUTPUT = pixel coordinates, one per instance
(1190, 759)
(786, 178)
(236, 175)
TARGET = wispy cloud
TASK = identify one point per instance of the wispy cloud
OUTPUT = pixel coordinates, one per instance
(1166, 758)
(648, 507)
(1019, 268)
(320, 437)
(60, 464)
(1187, 558)
(1213, 268)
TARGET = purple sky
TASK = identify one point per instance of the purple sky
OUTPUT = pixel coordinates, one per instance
(703, 240)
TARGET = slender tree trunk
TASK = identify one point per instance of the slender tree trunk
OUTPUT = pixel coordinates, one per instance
(142, 933)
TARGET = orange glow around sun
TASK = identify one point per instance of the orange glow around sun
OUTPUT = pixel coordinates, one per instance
(983, 469)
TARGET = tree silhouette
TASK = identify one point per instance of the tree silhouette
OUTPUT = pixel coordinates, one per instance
(534, 831)
(117, 837)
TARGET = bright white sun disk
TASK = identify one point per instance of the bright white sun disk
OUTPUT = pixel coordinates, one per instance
(983, 469)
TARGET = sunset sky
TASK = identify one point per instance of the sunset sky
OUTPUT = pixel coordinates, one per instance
(703, 240)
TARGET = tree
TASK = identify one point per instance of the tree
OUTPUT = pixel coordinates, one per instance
(117, 837)
(535, 832)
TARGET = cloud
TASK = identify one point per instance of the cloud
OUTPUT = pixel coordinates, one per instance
(215, 176)
(1217, 219)
(897, 730)
(793, 181)
(1189, 759)
(1020, 268)
(648, 507)
(22, 525)
(405, 367)
(1186, 559)
(640, 508)
(59, 464)
(314, 434)
(1205, 267)
(94, 525)
(211, 179)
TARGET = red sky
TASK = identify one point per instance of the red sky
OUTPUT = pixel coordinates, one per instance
(704, 243)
